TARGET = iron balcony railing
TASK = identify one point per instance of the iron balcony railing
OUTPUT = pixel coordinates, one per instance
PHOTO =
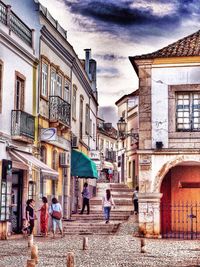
(59, 110)
(111, 156)
(15, 24)
(22, 124)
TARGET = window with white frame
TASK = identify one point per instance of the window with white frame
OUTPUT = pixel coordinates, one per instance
(53, 82)
(74, 102)
(44, 90)
(188, 111)
(87, 119)
(59, 85)
(66, 93)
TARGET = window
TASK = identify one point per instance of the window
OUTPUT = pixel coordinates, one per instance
(53, 82)
(87, 119)
(31, 190)
(1, 84)
(55, 160)
(66, 94)
(43, 154)
(74, 102)
(81, 118)
(188, 111)
(44, 90)
(19, 91)
(59, 86)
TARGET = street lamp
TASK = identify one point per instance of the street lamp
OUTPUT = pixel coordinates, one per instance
(121, 125)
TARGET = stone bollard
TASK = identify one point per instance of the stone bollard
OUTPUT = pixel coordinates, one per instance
(30, 263)
(143, 245)
(30, 241)
(85, 243)
(34, 253)
(70, 259)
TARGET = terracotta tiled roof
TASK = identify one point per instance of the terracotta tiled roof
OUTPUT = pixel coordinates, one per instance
(187, 46)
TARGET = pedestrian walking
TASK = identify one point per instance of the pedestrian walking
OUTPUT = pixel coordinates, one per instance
(55, 211)
(30, 215)
(107, 203)
(44, 217)
(135, 199)
(86, 198)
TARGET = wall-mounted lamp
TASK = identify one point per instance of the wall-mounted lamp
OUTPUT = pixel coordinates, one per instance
(121, 125)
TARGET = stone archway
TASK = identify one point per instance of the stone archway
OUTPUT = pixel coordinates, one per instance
(170, 164)
(178, 181)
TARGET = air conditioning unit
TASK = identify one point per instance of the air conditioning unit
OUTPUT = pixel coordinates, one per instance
(74, 141)
(64, 159)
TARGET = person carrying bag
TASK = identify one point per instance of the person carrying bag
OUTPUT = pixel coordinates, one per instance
(55, 211)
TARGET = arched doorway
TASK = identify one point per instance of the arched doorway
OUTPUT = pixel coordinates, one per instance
(180, 204)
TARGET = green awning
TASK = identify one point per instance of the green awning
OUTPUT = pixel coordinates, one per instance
(82, 166)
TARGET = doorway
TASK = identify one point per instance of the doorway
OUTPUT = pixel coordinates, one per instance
(16, 208)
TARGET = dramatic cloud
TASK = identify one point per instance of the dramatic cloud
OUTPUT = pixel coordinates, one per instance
(117, 29)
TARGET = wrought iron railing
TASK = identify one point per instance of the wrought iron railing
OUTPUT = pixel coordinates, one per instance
(3, 13)
(180, 220)
(22, 124)
(110, 155)
(59, 110)
(15, 24)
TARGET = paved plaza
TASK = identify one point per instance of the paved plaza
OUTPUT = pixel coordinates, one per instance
(118, 250)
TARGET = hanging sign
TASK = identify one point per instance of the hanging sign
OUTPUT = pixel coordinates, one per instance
(48, 134)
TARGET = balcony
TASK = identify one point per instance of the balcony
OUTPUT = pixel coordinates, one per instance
(110, 155)
(22, 126)
(59, 112)
(15, 24)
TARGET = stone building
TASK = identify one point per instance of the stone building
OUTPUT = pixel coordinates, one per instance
(107, 145)
(169, 140)
(54, 106)
(128, 141)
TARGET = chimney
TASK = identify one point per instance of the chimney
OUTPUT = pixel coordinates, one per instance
(87, 61)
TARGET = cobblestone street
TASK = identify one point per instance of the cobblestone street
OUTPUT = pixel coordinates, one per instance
(104, 251)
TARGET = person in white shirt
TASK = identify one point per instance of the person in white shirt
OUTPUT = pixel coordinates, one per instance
(55, 211)
(107, 203)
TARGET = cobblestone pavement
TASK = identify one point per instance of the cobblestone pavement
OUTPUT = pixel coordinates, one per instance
(104, 251)
(119, 250)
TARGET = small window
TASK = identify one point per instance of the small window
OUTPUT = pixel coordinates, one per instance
(44, 90)
(87, 119)
(74, 102)
(31, 190)
(53, 82)
(19, 92)
(66, 94)
(188, 111)
(59, 85)
(43, 154)
(129, 169)
(55, 160)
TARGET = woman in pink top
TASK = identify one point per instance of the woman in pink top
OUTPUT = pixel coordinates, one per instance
(107, 203)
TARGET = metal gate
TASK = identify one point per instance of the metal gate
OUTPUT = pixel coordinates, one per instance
(180, 220)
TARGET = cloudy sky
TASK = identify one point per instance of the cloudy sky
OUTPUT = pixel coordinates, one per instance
(117, 29)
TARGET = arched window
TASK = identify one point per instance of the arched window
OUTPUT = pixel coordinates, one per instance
(43, 154)
(55, 160)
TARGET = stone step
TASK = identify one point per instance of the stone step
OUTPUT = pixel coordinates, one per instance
(121, 208)
(121, 190)
(100, 212)
(118, 186)
(96, 217)
(119, 202)
(89, 228)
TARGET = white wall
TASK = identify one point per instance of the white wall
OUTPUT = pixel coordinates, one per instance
(13, 61)
(162, 77)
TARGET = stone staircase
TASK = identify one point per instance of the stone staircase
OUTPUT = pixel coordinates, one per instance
(94, 222)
